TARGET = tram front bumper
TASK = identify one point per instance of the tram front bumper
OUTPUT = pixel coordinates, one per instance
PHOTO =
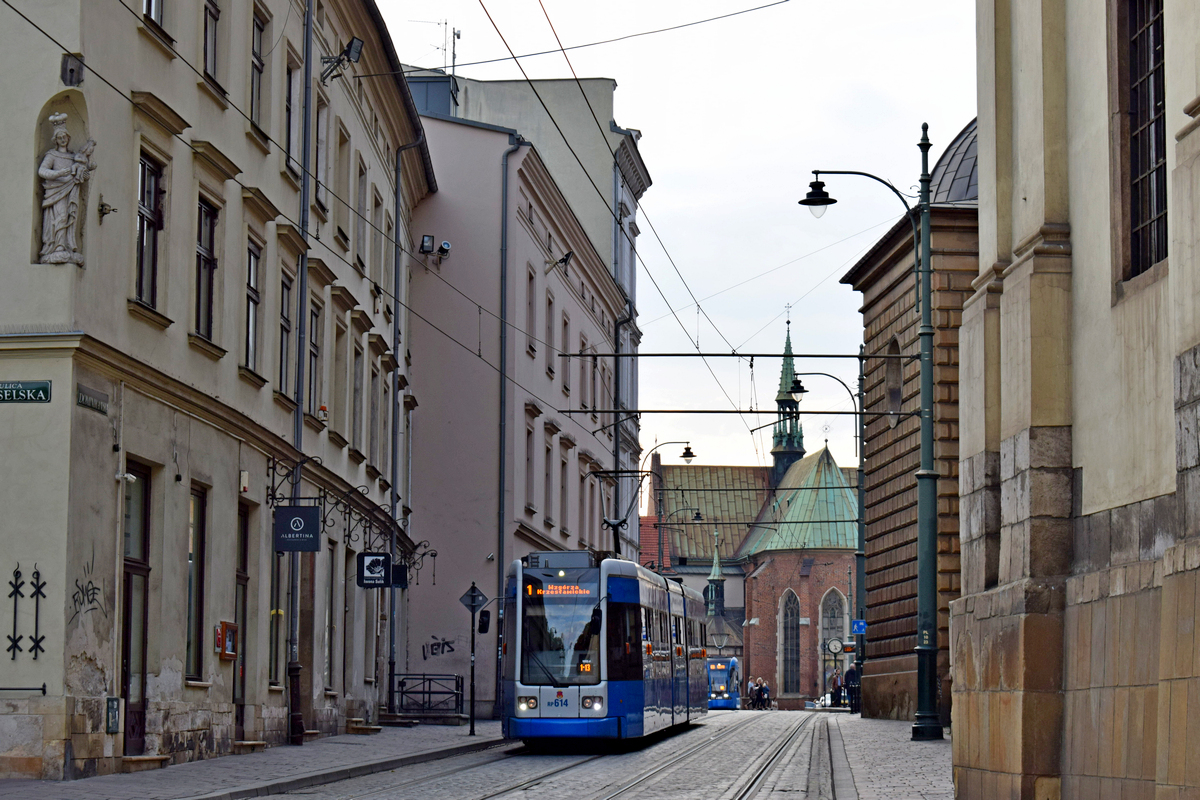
(560, 728)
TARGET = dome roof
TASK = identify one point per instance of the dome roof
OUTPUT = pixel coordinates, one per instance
(955, 178)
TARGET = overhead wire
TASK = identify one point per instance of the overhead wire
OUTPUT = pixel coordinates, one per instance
(612, 153)
(208, 158)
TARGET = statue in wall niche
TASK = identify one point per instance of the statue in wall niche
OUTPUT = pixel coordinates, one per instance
(63, 174)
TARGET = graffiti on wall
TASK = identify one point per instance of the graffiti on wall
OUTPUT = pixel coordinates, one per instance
(438, 647)
(88, 595)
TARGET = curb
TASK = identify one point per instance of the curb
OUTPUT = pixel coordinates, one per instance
(341, 773)
(843, 776)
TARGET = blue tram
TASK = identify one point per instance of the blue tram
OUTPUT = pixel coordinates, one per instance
(723, 681)
(598, 648)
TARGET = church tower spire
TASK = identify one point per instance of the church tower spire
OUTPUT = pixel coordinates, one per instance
(789, 433)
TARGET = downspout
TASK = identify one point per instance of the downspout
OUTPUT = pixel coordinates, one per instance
(501, 475)
(397, 252)
(620, 423)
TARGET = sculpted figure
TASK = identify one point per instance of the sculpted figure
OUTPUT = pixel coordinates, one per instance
(63, 174)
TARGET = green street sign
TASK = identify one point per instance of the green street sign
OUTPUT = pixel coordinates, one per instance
(24, 391)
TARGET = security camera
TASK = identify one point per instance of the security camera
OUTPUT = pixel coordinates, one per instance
(443, 249)
(128, 477)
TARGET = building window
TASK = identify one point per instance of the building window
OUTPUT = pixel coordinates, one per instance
(583, 373)
(563, 488)
(211, 16)
(341, 209)
(531, 312)
(153, 11)
(314, 359)
(339, 401)
(592, 391)
(253, 259)
(389, 251)
(206, 268)
(548, 478)
(197, 510)
(360, 222)
(1147, 137)
(149, 223)
(566, 342)
(356, 400)
(591, 517)
(791, 644)
(330, 629)
(374, 430)
(385, 436)
(581, 524)
(256, 69)
(550, 354)
(529, 468)
(285, 331)
(377, 241)
(833, 612)
(291, 108)
(321, 154)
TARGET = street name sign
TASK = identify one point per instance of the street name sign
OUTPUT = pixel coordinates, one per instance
(297, 529)
(24, 391)
(374, 570)
(473, 599)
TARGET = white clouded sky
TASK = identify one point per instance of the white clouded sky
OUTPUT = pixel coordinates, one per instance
(735, 114)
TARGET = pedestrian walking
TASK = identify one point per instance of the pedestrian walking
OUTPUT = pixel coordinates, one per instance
(853, 690)
(836, 685)
(766, 696)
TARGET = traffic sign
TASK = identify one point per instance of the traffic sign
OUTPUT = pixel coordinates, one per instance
(473, 599)
(858, 627)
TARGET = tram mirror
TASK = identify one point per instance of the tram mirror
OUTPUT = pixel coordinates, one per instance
(597, 620)
(485, 621)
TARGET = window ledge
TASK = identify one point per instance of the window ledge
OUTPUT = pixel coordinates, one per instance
(251, 377)
(330, 693)
(373, 472)
(566, 389)
(194, 684)
(341, 238)
(256, 135)
(285, 401)
(275, 687)
(566, 532)
(384, 484)
(158, 37)
(319, 210)
(313, 423)
(292, 178)
(215, 91)
(337, 439)
(548, 522)
(531, 349)
(205, 346)
(530, 508)
(356, 455)
(151, 315)
(1139, 283)
(550, 372)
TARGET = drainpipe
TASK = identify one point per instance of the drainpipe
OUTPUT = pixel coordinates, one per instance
(620, 423)
(295, 713)
(397, 252)
(501, 475)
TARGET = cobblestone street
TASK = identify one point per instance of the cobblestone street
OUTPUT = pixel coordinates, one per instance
(887, 764)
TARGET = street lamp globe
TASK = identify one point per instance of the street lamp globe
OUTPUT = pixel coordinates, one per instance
(817, 198)
(688, 455)
(698, 517)
(797, 390)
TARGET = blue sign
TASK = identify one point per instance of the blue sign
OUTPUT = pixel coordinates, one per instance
(858, 627)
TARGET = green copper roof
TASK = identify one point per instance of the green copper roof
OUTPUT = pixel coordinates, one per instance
(815, 507)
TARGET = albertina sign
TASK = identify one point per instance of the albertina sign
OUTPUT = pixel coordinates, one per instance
(24, 391)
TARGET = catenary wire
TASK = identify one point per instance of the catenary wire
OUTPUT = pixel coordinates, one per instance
(208, 158)
(613, 211)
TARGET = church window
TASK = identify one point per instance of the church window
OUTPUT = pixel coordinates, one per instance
(833, 612)
(791, 644)
(1147, 136)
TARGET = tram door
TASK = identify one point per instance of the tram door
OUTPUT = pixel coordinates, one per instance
(679, 661)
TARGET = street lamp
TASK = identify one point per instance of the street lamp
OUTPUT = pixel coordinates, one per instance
(659, 525)
(928, 724)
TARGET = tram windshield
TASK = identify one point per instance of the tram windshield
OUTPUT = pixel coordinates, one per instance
(558, 645)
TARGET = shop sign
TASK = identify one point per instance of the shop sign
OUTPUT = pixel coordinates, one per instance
(297, 529)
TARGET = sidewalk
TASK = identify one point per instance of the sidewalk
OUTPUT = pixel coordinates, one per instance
(272, 771)
(880, 761)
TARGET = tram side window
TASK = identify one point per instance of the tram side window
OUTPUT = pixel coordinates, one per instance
(645, 615)
(624, 633)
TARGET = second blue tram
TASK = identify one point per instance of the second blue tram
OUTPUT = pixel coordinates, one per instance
(723, 681)
(599, 648)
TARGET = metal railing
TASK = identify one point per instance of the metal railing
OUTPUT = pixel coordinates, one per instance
(430, 695)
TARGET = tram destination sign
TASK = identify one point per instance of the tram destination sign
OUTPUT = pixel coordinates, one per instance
(24, 391)
(297, 529)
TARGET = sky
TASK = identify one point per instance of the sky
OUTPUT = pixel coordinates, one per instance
(735, 114)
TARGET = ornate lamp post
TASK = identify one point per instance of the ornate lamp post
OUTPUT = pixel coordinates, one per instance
(928, 724)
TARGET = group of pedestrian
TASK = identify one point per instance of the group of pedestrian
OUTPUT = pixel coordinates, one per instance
(759, 693)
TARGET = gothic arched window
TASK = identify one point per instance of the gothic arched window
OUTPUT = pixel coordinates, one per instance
(833, 611)
(791, 644)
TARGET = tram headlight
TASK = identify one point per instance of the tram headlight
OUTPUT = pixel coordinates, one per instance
(725, 696)
(593, 703)
(712, 695)
(527, 703)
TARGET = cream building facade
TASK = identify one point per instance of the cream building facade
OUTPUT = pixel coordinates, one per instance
(148, 359)
(1075, 666)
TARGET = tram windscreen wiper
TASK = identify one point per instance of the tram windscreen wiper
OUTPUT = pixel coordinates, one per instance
(549, 673)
